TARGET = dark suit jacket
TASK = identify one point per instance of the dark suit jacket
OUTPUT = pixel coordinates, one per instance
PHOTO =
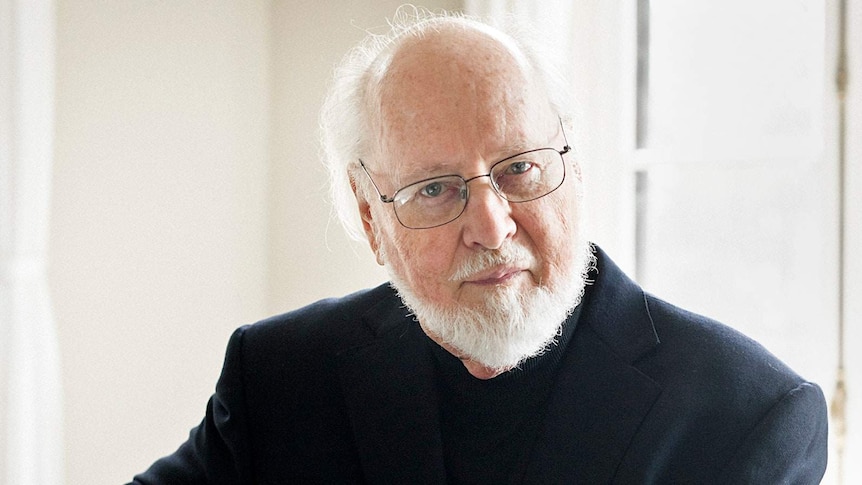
(343, 391)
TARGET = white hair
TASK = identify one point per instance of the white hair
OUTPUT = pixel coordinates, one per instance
(512, 325)
(344, 122)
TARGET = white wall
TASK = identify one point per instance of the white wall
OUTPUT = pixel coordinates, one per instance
(309, 255)
(159, 222)
(188, 200)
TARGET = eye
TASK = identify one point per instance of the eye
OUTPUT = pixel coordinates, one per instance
(438, 190)
(518, 168)
(433, 189)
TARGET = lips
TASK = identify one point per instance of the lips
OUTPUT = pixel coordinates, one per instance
(494, 267)
(496, 276)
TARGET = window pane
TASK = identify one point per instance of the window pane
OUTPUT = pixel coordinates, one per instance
(753, 246)
(736, 79)
(739, 218)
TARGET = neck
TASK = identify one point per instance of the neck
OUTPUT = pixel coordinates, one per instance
(476, 369)
(480, 371)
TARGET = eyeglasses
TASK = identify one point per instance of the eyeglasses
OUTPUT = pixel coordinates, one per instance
(436, 201)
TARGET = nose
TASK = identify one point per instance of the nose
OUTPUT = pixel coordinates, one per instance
(487, 219)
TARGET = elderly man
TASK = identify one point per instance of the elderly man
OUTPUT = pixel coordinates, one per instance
(506, 349)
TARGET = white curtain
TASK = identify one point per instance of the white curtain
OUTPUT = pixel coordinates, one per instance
(30, 386)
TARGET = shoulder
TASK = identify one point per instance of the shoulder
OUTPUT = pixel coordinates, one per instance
(272, 360)
(703, 367)
(696, 348)
(674, 346)
(325, 327)
(718, 382)
(764, 421)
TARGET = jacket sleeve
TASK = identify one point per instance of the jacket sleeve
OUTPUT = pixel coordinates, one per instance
(788, 445)
(217, 450)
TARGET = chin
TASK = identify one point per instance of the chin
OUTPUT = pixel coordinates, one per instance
(507, 323)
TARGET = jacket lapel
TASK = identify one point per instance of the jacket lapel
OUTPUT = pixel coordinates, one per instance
(600, 398)
(391, 395)
(596, 407)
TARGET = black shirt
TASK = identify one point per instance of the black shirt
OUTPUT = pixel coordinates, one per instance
(488, 426)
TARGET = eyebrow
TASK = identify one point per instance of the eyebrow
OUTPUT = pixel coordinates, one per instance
(444, 168)
(440, 169)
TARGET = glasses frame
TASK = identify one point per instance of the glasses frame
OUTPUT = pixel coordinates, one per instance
(388, 200)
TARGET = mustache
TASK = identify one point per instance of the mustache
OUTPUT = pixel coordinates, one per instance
(510, 254)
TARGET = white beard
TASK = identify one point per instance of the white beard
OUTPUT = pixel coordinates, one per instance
(511, 325)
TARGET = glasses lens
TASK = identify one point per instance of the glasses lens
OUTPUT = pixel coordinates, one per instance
(529, 175)
(439, 200)
(431, 202)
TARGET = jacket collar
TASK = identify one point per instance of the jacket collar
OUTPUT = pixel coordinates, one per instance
(390, 391)
(596, 406)
(600, 398)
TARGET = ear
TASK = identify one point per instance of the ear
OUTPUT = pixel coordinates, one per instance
(367, 221)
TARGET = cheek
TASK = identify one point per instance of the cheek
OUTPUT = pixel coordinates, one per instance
(428, 255)
(555, 229)
(423, 258)
(567, 207)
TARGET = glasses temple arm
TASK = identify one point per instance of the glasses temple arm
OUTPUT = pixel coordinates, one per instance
(383, 198)
(567, 148)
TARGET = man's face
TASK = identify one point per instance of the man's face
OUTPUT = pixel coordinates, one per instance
(439, 115)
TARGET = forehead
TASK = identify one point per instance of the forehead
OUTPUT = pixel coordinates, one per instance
(455, 95)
